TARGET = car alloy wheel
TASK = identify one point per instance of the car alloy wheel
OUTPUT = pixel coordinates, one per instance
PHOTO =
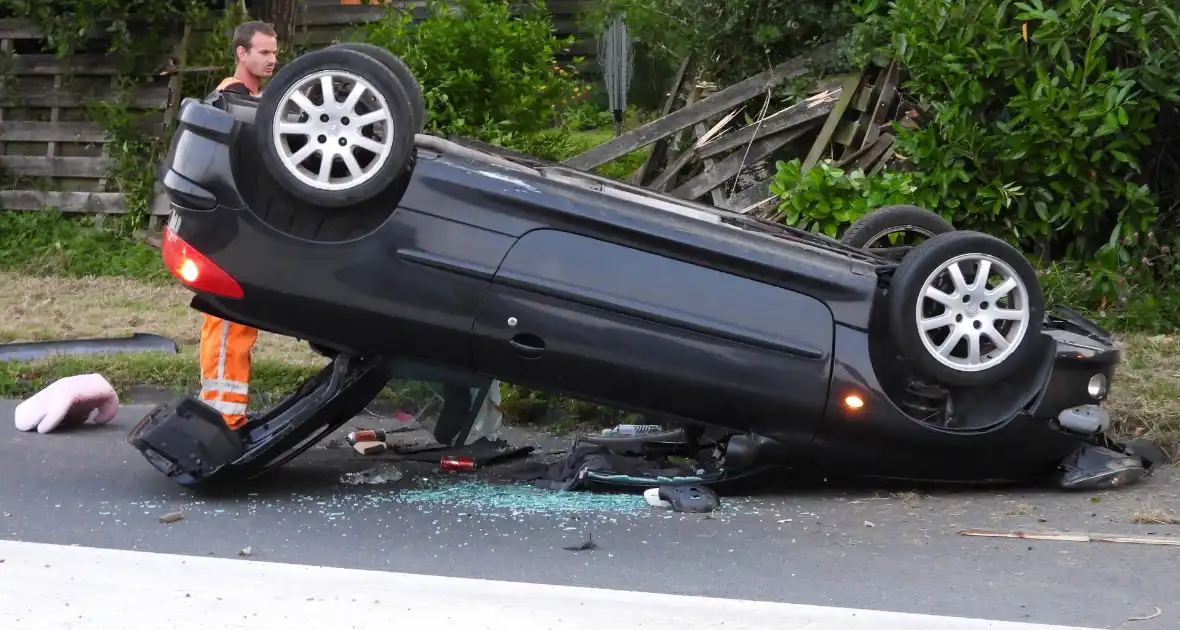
(976, 323)
(965, 309)
(342, 120)
(335, 128)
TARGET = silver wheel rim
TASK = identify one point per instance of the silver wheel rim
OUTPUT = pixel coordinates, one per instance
(333, 130)
(971, 326)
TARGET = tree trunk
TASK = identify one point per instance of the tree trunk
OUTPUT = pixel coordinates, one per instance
(280, 13)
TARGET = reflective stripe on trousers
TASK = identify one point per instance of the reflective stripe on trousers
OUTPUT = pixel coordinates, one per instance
(225, 367)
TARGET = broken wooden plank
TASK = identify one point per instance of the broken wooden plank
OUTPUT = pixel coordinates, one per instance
(888, 93)
(802, 112)
(875, 152)
(732, 96)
(752, 195)
(1076, 537)
(864, 157)
(684, 156)
(851, 86)
(885, 155)
(852, 137)
(688, 155)
(660, 150)
(719, 198)
(732, 165)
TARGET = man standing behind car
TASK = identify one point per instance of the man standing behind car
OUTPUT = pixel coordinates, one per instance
(226, 346)
(256, 48)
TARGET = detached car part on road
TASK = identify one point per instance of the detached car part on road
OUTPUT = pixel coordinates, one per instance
(320, 211)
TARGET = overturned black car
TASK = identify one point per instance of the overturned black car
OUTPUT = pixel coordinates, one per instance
(319, 211)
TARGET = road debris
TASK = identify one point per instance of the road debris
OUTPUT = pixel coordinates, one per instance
(366, 435)
(171, 517)
(1154, 516)
(1157, 613)
(652, 496)
(457, 463)
(869, 524)
(373, 476)
(483, 497)
(586, 545)
(1076, 537)
(245, 551)
(370, 448)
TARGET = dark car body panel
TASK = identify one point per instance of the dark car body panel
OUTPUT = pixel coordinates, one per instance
(611, 319)
(548, 280)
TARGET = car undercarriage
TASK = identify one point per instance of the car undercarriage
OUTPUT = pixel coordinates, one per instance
(789, 349)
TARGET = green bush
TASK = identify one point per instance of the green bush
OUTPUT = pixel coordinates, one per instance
(826, 199)
(730, 39)
(486, 68)
(1039, 141)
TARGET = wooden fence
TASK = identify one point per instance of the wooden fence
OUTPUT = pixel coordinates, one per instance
(46, 135)
(59, 157)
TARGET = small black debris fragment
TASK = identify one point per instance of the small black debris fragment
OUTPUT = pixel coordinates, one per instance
(586, 545)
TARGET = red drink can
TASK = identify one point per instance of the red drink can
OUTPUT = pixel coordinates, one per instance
(457, 463)
(366, 435)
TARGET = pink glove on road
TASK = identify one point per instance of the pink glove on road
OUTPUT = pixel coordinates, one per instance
(68, 402)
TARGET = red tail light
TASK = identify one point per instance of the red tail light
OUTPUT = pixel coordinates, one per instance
(196, 271)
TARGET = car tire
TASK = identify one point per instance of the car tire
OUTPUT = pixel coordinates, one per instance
(967, 311)
(382, 159)
(882, 221)
(402, 71)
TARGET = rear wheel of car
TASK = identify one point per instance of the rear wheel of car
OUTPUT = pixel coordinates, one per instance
(966, 309)
(911, 224)
(402, 71)
(335, 127)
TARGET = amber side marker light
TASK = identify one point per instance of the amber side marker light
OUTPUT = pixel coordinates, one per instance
(853, 402)
(196, 271)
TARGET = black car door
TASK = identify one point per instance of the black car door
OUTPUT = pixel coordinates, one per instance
(606, 322)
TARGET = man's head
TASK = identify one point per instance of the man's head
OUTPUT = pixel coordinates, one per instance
(256, 46)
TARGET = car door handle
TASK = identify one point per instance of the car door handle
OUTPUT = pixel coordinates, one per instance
(528, 346)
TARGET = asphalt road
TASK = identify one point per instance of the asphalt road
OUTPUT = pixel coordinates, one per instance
(829, 546)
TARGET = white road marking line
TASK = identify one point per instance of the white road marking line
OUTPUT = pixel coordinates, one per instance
(65, 587)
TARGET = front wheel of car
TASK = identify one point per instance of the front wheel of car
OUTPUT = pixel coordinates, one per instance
(966, 309)
(335, 127)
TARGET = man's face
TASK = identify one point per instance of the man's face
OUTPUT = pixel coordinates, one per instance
(260, 59)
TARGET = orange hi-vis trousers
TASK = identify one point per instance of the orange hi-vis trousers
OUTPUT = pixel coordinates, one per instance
(225, 367)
